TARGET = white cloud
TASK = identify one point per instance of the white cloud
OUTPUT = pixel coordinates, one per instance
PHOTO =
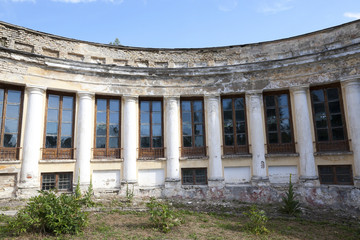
(352, 15)
(88, 1)
(227, 5)
(276, 6)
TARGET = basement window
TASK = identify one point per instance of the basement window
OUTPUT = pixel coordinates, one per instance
(59, 181)
(194, 176)
(335, 174)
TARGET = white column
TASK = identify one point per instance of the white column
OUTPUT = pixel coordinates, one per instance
(352, 95)
(213, 138)
(254, 104)
(172, 138)
(84, 137)
(130, 136)
(32, 137)
(304, 136)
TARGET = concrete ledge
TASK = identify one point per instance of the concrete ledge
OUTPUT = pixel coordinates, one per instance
(332, 153)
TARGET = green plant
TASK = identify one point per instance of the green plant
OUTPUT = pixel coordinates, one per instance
(50, 213)
(129, 193)
(290, 205)
(258, 220)
(163, 216)
(87, 199)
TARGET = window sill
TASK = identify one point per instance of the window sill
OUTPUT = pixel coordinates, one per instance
(10, 162)
(99, 160)
(194, 158)
(194, 186)
(248, 155)
(151, 159)
(275, 155)
(58, 161)
(332, 153)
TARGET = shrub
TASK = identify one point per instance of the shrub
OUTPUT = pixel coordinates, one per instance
(163, 216)
(49, 213)
(258, 220)
(289, 204)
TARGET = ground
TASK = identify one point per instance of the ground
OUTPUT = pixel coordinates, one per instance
(117, 219)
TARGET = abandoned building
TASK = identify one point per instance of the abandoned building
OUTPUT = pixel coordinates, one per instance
(224, 122)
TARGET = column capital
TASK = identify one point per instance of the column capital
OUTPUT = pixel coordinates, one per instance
(85, 94)
(355, 78)
(169, 97)
(212, 96)
(254, 92)
(130, 97)
(35, 89)
(300, 88)
(347, 82)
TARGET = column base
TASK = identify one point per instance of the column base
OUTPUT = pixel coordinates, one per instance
(172, 183)
(309, 181)
(357, 181)
(128, 188)
(216, 182)
(26, 191)
(260, 181)
(83, 187)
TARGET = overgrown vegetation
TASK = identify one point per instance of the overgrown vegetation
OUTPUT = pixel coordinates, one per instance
(116, 42)
(129, 194)
(290, 205)
(163, 216)
(257, 221)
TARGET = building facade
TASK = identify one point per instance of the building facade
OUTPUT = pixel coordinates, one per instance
(226, 122)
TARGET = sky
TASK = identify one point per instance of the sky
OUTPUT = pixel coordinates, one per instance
(178, 23)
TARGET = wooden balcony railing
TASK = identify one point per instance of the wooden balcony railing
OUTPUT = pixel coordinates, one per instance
(236, 150)
(106, 153)
(193, 152)
(57, 153)
(9, 154)
(151, 153)
(333, 146)
(281, 148)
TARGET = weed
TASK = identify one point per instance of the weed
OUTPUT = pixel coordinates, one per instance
(129, 194)
(193, 236)
(290, 206)
(258, 220)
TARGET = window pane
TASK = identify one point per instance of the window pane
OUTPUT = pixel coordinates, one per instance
(157, 142)
(197, 106)
(228, 127)
(186, 117)
(10, 140)
(240, 127)
(284, 124)
(187, 175)
(338, 134)
(114, 105)
(13, 96)
(336, 120)
(145, 142)
(317, 95)
(199, 129)
(332, 94)
(200, 176)
(321, 120)
(1, 95)
(186, 106)
(51, 128)
(50, 141)
(199, 141)
(67, 116)
(187, 131)
(270, 101)
(156, 130)
(239, 103)
(66, 142)
(284, 112)
(156, 117)
(240, 115)
(229, 140)
(114, 117)
(12, 111)
(65, 181)
(270, 113)
(144, 106)
(227, 104)
(241, 139)
(101, 105)
(100, 142)
(53, 101)
(273, 138)
(66, 129)
(319, 108)
(53, 115)
(283, 100)
(67, 102)
(285, 137)
(198, 117)
(11, 125)
(48, 181)
(187, 142)
(145, 117)
(272, 127)
(114, 142)
(114, 130)
(145, 130)
(334, 107)
(227, 115)
(101, 117)
(322, 135)
(100, 130)
(156, 106)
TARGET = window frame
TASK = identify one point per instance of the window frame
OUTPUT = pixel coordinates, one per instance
(336, 182)
(194, 176)
(279, 148)
(330, 145)
(107, 152)
(59, 152)
(193, 151)
(57, 174)
(151, 152)
(236, 149)
(11, 153)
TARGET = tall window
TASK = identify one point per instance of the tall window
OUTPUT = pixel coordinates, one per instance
(10, 122)
(278, 123)
(107, 139)
(328, 115)
(193, 139)
(151, 132)
(234, 123)
(59, 127)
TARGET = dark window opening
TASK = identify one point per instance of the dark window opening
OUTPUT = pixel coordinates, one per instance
(336, 174)
(194, 176)
(59, 181)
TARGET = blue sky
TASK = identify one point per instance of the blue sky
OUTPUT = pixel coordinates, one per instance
(178, 23)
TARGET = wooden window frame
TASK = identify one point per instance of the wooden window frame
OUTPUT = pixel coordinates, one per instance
(278, 148)
(59, 152)
(330, 145)
(151, 152)
(57, 174)
(11, 153)
(193, 151)
(336, 182)
(107, 152)
(193, 176)
(235, 149)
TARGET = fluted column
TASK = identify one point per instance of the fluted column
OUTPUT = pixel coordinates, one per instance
(253, 102)
(85, 118)
(172, 139)
(214, 138)
(130, 143)
(34, 130)
(304, 137)
(352, 95)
